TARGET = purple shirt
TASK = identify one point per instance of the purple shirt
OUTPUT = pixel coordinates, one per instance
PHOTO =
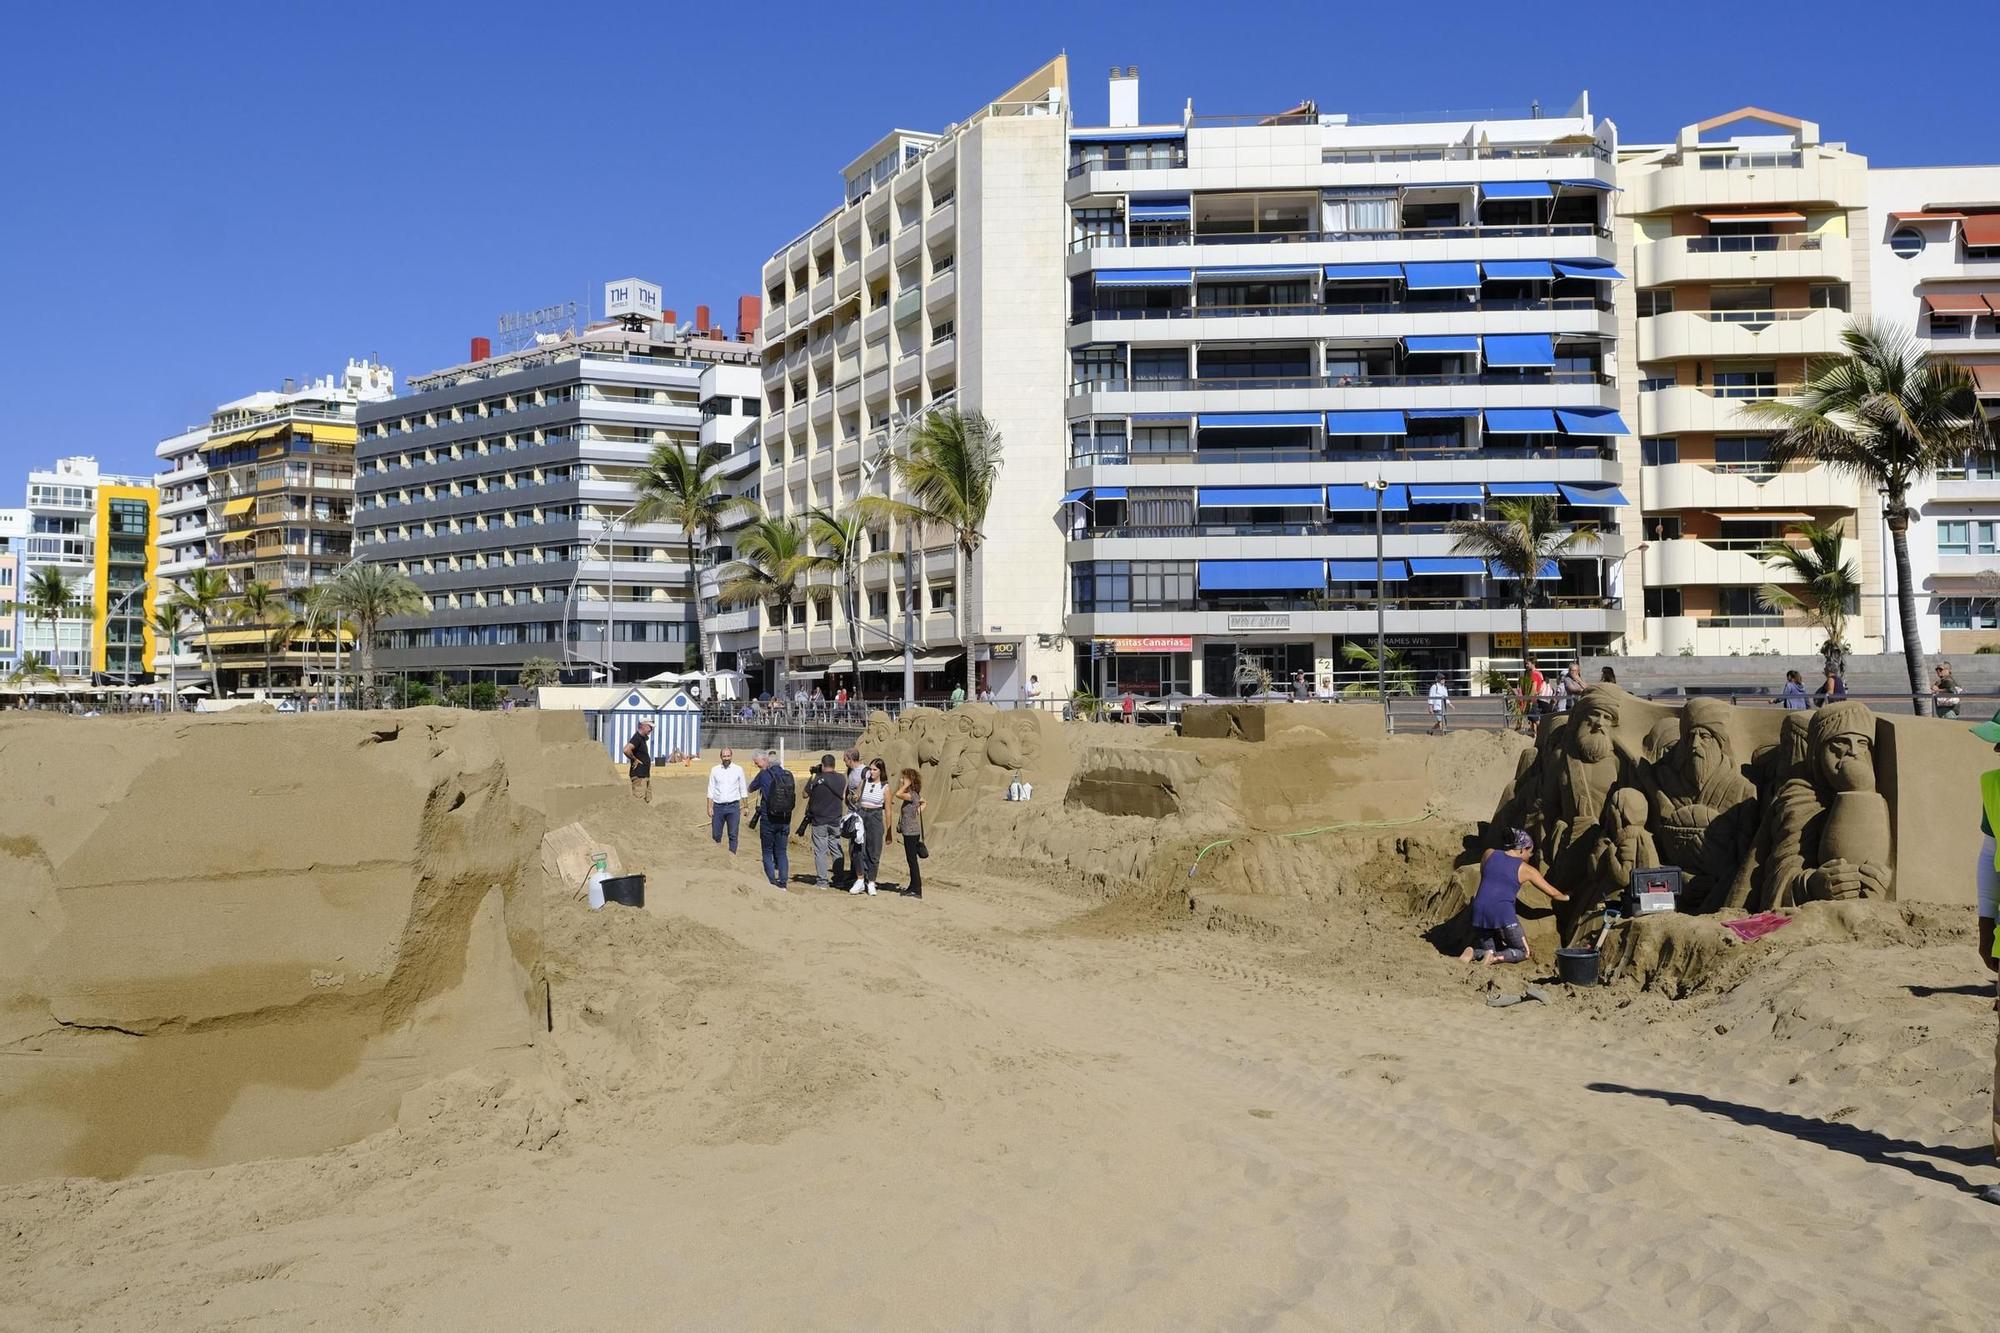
(1493, 906)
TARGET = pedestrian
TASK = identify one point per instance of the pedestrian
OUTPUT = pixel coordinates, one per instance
(986, 694)
(1034, 691)
(1607, 677)
(1497, 936)
(727, 789)
(1440, 696)
(1833, 667)
(1542, 691)
(957, 695)
(1569, 688)
(851, 801)
(1130, 705)
(1794, 697)
(777, 796)
(869, 805)
(639, 750)
(910, 826)
(1987, 879)
(1945, 697)
(826, 802)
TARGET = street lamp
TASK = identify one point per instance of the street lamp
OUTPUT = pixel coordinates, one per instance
(1381, 489)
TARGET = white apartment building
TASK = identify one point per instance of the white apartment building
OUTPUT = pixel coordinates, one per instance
(1935, 238)
(1269, 316)
(184, 529)
(938, 282)
(14, 527)
(731, 401)
(1749, 254)
(63, 507)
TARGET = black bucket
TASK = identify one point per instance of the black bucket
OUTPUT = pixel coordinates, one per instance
(630, 891)
(1578, 967)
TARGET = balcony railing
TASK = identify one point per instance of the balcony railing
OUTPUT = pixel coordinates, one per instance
(1457, 152)
(1314, 308)
(1152, 162)
(1345, 525)
(1360, 601)
(1726, 390)
(1758, 242)
(1341, 381)
(1171, 239)
(1750, 317)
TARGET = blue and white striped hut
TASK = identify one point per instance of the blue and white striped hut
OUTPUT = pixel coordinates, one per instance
(676, 724)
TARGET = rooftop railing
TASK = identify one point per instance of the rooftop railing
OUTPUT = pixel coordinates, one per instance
(1756, 243)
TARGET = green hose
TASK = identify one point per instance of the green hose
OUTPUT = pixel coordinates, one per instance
(1430, 812)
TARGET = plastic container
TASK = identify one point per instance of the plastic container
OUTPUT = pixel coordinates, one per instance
(1578, 967)
(594, 886)
(630, 891)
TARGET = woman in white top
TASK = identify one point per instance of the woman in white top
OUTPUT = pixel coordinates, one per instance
(874, 796)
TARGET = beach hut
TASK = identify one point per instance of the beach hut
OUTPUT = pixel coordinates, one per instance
(676, 723)
(678, 727)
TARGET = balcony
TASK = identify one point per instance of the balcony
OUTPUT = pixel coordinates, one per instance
(796, 311)
(909, 242)
(1722, 178)
(942, 358)
(847, 282)
(1713, 486)
(1396, 238)
(822, 405)
(942, 291)
(909, 370)
(875, 385)
(1716, 334)
(1728, 636)
(822, 295)
(1746, 259)
(847, 395)
(1684, 409)
(773, 325)
(819, 352)
(875, 263)
(943, 223)
(1710, 561)
(1963, 488)
(875, 323)
(908, 302)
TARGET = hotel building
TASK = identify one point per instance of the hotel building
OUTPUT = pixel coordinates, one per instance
(731, 406)
(1749, 254)
(96, 528)
(1267, 316)
(1935, 238)
(503, 487)
(937, 284)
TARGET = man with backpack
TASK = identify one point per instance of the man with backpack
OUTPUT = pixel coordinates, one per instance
(778, 797)
(826, 802)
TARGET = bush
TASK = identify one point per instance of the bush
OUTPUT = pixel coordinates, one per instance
(1987, 648)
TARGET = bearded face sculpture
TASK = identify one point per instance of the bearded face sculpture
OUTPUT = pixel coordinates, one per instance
(1704, 811)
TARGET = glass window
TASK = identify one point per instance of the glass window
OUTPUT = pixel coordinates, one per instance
(1357, 210)
(1663, 602)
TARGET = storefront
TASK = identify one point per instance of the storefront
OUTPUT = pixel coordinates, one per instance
(1238, 667)
(1424, 654)
(1150, 666)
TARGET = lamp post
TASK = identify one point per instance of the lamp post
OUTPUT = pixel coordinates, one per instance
(1381, 489)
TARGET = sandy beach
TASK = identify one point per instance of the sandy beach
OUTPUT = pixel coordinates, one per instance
(1039, 1098)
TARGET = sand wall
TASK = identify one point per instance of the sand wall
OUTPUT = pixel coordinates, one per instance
(235, 937)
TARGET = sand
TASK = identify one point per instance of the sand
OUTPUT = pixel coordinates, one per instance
(1056, 1095)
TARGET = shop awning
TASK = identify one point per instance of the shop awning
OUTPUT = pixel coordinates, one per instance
(1259, 497)
(1591, 421)
(1520, 421)
(1075, 496)
(1606, 497)
(1110, 492)
(1769, 215)
(927, 661)
(1447, 564)
(1981, 229)
(1447, 493)
(232, 638)
(1440, 413)
(1365, 423)
(1590, 270)
(1515, 490)
(1441, 276)
(1587, 185)
(1255, 420)
(1506, 350)
(241, 505)
(1363, 571)
(1361, 500)
(1962, 303)
(1987, 378)
(1364, 272)
(1549, 570)
(1143, 277)
(1517, 190)
(1176, 209)
(1441, 344)
(1260, 575)
(1519, 270)
(1262, 272)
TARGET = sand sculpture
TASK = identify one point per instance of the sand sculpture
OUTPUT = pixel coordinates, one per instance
(972, 749)
(1758, 810)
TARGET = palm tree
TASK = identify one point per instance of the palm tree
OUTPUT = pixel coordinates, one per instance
(1890, 414)
(204, 599)
(1829, 586)
(686, 490)
(539, 671)
(949, 469)
(32, 668)
(1397, 672)
(772, 556)
(256, 605)
(367, 595)
(51, 594)
(1521, 541)
(844, 532)
(168, 619)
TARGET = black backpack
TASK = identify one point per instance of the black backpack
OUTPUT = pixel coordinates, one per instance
(781, 797)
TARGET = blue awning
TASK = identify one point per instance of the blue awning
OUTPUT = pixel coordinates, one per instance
(1072, 497)
(1246, 497)
(1247, 420)
(1519, 270)
(1363, 571)
(1442, 344)
(1259, 271)
(1591, 421)
(1506, 350)
(1520, 421)
(1143, 277)
(1365, 423)
(1447, 564)
(1363, 272)
(1110, 492)
(1517, 190)
(1360, 500)
(1260, 575)
(1549, 570)
(1591, 270)
(1447, 493)
(1440, 413)
(1515, 490)
(1439, 276)
(1126, 135)
(1159, 210)
(1589, 185)
(1607, 497)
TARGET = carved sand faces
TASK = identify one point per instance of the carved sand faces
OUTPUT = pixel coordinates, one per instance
(1620, 784)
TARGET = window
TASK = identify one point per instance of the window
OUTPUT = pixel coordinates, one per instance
(1750, 454)
(944, 596)
(1745, 383)
(1656, 301)
(1090, 440)
(1829, 296)
(1157, 364)
(1101, 366)
(1241, 363)
(1132, 585)
(1160, 440)
(1968, 613)
(1737, 601)
(1740, 298)
(1358, 210)
(941, 332)
(878, 605)
(1663, 602)
(1906, 242)
(1096, 226)
(1160, 508)
(1968, 537)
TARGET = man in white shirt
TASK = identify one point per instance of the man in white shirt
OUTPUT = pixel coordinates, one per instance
(1440, 704)
(727, 789)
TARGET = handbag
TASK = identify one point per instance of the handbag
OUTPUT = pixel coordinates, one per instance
(923, 846)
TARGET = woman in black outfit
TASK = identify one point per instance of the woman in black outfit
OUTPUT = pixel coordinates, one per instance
(910, 827)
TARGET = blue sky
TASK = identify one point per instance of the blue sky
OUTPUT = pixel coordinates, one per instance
(202, 199)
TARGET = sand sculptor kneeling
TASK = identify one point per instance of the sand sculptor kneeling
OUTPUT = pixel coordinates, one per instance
(1497, 936)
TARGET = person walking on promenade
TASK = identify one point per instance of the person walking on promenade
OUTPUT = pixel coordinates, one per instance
(727, 789)
(1497, 936)
(910, 827)
(1794, 697)
(1945, 697)
(874, 796)
(639, 750)
(1569, 688)
(1440, 696)
(957, 695)
(1986, 878)
(851, 799)
(777, 796)
(826, 802)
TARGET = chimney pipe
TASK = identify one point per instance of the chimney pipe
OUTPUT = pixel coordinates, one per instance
(482, 348)
(669, 318)
(701, 319)
(1124, 97)
(749, 317)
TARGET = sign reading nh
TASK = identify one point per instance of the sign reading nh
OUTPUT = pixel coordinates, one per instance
(630, 296)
